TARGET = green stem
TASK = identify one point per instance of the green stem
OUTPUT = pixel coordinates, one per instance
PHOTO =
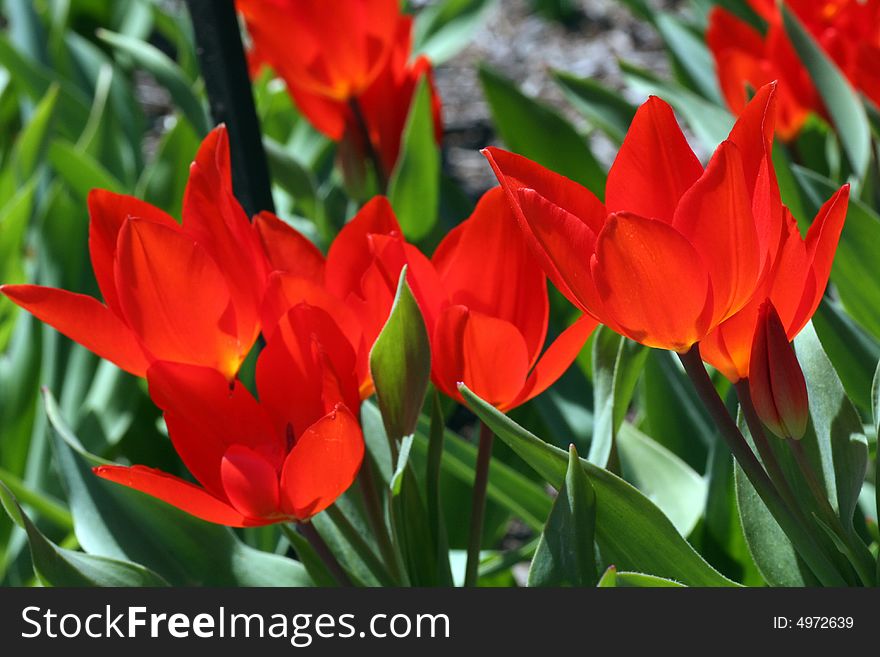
(320, 546)
(803, 541)
(360, 545)
(372, 155)
(478, 505)
(759, 436)
(373, 505)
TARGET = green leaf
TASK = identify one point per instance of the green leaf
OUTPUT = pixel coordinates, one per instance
(507, 487)
(772, 552)
(120, 523)
(603, 108)
(313, 563)
(710, 122)
(691, 54)
(852, 351)
(617, 364)
(540, 133)
(674, 416)
(400, 363)
(842, 445)
(166, 71)
(611, 579)
(566, 552)
(665, 479)
(846, 110)
(164, 180)
(34, 80)
(631, 531)
(57, 566)
(34, 139)
(414, 186)
(442, 29)
(80, 171)
(296, 180)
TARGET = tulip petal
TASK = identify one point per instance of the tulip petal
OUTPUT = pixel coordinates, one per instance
(178, 493)
(568, 243)
(654, 166)
(85, 320)
(323, 463)
(250, 482)
(737, 48)
(308, 360)
(486, 265)
(555, 360)
(213, 217)
(488, 354)
(715, 216)
(156, 269)
(518, 174)
(350, 254)
(289, 250)
(652, 282)
(107, 212)
(819, 249)
(206, 416)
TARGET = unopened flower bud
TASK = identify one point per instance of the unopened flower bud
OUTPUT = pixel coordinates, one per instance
(776, 382)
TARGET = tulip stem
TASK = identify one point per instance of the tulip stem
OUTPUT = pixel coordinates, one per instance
(478, 505)
(377, 520)
(370, 148)
(806, 546)
(765, 450)
(363, 550)
(320, 546)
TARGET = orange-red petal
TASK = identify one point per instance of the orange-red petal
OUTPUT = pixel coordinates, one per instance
(178, 493)
(289, 250)
(84, 320)
(715, 216)
(174, 296)
(654, 167)
(652, 282)
(323, 463)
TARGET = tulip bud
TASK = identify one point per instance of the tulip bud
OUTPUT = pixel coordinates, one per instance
(776, 382)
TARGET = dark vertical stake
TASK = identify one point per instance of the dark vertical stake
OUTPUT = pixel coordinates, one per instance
(224, 69)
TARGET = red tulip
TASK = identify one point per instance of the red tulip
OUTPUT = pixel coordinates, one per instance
(326, 50)
(332, 53)
(848, 31)
(356, 283)
(186, 293)
(286, 457)
(776, 384)
(794, 285)
(385, 104)
(492, 329)
(675, 250)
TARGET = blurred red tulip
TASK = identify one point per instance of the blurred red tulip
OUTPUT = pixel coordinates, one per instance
(337, 55)
(776, 383)
(286, 457)
(675, 250)
(492, 329)
(357, 282)
(187, 293)
(848, 31)
(795, 284)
